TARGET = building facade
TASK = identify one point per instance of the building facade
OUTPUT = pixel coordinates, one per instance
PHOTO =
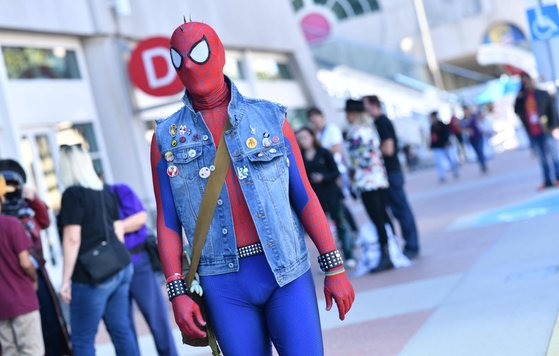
(64, 79)
(388, 32)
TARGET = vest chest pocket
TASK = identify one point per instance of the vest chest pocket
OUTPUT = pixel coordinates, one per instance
(269, 163)
(188, 160)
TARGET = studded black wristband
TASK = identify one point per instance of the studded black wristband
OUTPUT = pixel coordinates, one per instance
(176, 288)
(330, 260)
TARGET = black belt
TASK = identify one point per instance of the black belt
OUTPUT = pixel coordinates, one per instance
(250, 250)
(141, 247)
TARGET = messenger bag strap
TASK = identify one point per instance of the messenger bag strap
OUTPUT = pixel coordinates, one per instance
(209, 200)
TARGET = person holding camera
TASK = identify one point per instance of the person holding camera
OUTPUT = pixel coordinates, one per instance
(25, 205)
(20, 321)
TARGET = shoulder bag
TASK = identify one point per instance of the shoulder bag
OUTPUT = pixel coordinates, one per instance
(103, 260)
(205, 216)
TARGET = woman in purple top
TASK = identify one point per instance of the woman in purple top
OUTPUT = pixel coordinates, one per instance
(145, 289)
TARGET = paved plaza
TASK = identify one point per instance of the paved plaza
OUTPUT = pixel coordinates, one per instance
(486, 283)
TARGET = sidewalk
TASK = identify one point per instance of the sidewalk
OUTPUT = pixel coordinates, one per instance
(486, 282)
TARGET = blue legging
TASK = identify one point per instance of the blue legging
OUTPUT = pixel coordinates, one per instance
(249, 311)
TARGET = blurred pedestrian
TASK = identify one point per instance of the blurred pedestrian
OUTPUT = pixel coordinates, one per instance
(397, 199)
(486, 124)
(456, 130)
(323, 172)
(25, 205)
(97, 271)
(144, 289)
(537, 112)
(20, 322)
(369, 175)
(472, 126)
(332, 139)
(440, 145)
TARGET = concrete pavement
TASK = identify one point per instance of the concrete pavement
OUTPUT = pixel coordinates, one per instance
(486, 282)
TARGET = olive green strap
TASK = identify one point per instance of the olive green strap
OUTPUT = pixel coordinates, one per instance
(209, 200)
(212, 341)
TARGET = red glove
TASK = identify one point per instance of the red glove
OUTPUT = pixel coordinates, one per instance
(339, 288)
(188, 317)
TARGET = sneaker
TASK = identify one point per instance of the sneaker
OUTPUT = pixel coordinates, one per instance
(384, 264)
(411, 254)
(350, 263)
(545, 186)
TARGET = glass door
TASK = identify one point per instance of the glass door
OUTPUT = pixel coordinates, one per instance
(38, 159)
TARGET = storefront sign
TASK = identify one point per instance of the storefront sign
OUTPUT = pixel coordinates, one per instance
(151, 70)
(507, 55)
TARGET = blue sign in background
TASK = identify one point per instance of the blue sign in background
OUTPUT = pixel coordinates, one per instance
(544, 24)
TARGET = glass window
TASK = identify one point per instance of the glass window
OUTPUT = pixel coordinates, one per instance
(356, 6)
(233, 68)
(269, 68)
(297, 4)
(40, 63)
(48, 170)
(27, 162)
(339, 11)
(373, 5)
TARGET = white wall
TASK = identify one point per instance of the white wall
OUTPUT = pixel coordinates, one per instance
(63, 16)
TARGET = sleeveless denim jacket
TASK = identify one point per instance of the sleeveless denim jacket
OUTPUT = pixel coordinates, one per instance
(262, 167)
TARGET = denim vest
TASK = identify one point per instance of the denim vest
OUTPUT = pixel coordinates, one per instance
(259, 158)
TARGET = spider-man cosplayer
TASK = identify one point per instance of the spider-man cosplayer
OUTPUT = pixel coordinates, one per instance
(254, 269)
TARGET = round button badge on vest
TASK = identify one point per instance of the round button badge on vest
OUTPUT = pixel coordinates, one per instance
(251, 142)
(172, 171)
(173, 130)
(169, 156)
(204, 172)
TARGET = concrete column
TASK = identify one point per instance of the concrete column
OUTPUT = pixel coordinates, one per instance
(123, 132)
(9, 135)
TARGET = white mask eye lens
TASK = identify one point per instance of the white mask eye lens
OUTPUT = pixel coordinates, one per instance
(200, 53)
(176, 58)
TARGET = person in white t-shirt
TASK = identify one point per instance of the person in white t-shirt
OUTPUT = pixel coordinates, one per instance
(331, 138)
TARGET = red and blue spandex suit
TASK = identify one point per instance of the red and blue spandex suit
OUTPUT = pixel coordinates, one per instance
(247, 308)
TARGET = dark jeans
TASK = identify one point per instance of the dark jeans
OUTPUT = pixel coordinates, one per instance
(146, 292)
(546, 148)
(107, 300)
(398, 203)
(477, 145)
(349, 218)
(335, 209)
(55, 343)
(375, 202)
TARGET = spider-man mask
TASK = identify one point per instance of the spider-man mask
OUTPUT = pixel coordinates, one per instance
(198, 56)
